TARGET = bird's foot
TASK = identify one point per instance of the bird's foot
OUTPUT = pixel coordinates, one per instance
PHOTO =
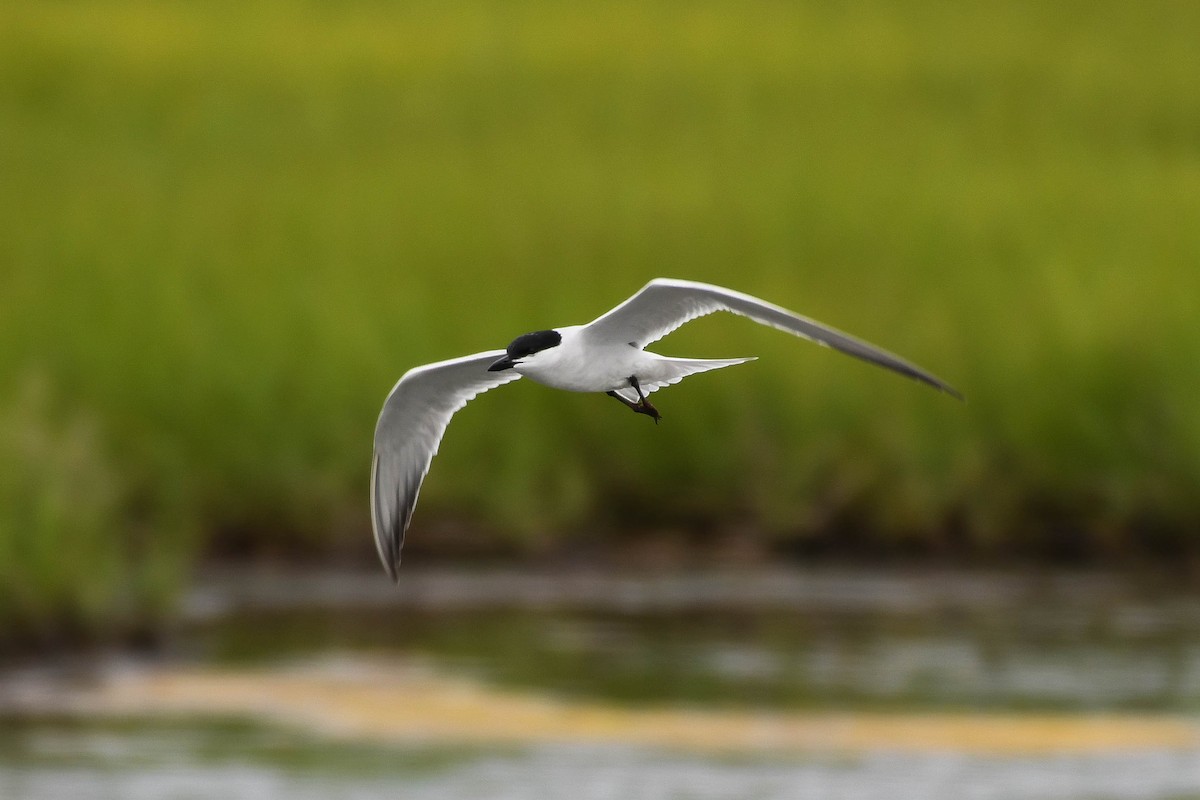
(646, 408)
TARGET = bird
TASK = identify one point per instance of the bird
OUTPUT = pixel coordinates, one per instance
(606, 355)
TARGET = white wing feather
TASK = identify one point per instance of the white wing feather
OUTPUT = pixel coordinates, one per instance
(410, 428)
(665, 304)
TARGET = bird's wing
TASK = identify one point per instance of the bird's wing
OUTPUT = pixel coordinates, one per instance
(665, 304)
(410, 427)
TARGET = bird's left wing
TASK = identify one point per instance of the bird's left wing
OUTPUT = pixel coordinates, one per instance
(410, 427)
(664, 304)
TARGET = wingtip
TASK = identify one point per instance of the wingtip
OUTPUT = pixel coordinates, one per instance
(955, 393)
(391, 563)
(388, 548)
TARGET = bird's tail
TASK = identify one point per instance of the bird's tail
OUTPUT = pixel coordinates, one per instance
(668, 371)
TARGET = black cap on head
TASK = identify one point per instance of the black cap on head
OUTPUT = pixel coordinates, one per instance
(530, 343)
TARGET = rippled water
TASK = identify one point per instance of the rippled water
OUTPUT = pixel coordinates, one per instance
(822, 641)
(184, 763)
(790, 639)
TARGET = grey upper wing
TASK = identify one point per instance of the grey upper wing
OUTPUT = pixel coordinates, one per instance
(410, 427)
(664, 304)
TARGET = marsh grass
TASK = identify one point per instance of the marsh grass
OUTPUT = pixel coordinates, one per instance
(78, 554)
(229, 228)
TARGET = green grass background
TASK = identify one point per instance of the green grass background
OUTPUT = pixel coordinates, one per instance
(228, 228)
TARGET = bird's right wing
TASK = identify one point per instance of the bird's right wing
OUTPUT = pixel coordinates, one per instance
(664, 304)
(410, 427)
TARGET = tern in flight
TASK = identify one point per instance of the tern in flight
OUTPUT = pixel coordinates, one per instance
(606, 355)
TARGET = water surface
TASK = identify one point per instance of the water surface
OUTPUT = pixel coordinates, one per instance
(1076, 650)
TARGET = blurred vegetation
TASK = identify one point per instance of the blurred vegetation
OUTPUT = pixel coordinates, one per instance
(78, 552)
(230, 227)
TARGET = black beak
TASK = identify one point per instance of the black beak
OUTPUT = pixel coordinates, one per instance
(502, 363)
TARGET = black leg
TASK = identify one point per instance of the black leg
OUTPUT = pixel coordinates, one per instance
(629, 403)
(643, 405)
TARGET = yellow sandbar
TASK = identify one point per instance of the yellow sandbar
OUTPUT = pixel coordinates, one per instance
(387, 701)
